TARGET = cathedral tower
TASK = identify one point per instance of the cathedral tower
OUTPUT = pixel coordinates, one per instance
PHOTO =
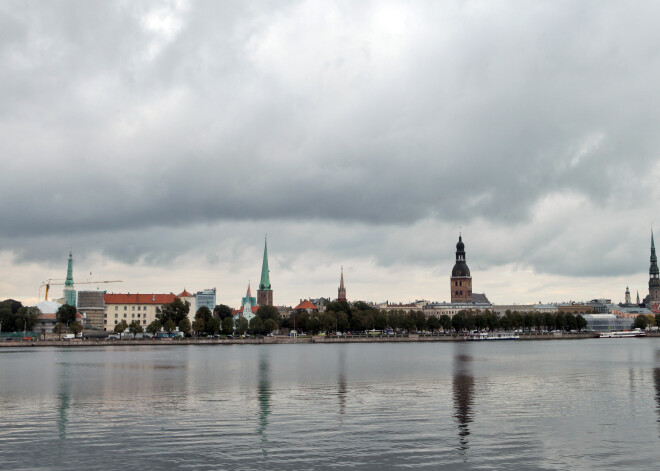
(341, 294)
(627, 297)
(265, 293)
(461, 281)
(654, 276)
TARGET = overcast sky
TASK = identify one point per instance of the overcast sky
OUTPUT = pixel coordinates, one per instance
(162, 140)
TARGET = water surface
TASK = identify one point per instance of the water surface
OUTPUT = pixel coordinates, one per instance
(587, 404)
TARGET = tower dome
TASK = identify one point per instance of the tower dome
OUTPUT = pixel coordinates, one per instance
(460, 267)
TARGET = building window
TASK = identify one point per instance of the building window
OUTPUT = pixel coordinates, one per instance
(124, 315)
(125, 308)
(138, 315)
(105, 321)
(116, 308)
(132, 308)
(105, 315)
(116, 321)
(144, 321)
(133, 316)
(116, 315)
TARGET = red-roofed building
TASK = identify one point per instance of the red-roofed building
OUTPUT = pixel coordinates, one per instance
(133, 307)
(306, 306)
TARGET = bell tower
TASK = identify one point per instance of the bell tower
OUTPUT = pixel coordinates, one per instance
(461, 281)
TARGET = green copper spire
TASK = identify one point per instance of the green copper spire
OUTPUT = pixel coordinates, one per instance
(265, 272)
(69, 272)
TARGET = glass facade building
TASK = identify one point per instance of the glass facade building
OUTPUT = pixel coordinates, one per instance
(607, 322)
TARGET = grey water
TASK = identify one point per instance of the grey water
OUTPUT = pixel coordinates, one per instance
(580, 404)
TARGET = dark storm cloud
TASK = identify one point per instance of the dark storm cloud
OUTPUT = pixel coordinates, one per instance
(148, 116)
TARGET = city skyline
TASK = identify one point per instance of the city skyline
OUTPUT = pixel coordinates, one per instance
(161, 140)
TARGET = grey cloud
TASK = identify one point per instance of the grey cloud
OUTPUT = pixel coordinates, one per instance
(251, 113)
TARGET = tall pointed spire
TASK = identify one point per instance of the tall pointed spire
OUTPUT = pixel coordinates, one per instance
(265, 272)
(654, 276)
(70, 295)
(265, 291)
(249, 291)
(69, 271)
(341, 293)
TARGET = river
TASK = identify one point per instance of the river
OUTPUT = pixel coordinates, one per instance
(564, 404)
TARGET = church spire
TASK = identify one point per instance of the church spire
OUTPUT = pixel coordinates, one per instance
(265, 291)
(341, 294)
(654, 275)
(265, 272)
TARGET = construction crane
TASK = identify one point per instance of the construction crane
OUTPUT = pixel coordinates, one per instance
(48, 283)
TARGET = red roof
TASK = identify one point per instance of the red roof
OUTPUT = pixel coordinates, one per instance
(240, 311)
(306, 305)
(185, 294)
(138, 298)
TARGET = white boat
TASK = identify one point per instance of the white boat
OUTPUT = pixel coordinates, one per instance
(492, 336)
(616, 334)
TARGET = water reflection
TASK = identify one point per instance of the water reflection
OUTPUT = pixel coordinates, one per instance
(463, 385)
(341, 382)
(656, 383)
(263, 393)
(63, 403)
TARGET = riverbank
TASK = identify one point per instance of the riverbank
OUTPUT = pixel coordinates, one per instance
(281, 340)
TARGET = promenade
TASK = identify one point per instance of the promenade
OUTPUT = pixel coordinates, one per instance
(280, 340)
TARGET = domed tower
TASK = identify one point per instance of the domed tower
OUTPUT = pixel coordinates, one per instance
(461, 281)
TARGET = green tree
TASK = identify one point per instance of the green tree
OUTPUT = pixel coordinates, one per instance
(75, 328)
(505, 322)
(420, 320)
(227, 325)
(121, 327)
(313, 325)
(66, 314)
(204, 313)
(433, 323)
(213, 326)
(268, 312)
(26, 318)
(380, 321)
(175, 311)
(59, 329)
(560, 321)
(169, 326)
(549, 321)
(342, 321)
(222, 311)
(445, 322)
(241, 325)
(395, 319)
(270, 325)
(256, 325)
(409, 323)
(135, 328)
(581, 322)
(154, 327)
(198, 326)
(571, 323)
(184, 326)
(641, 322)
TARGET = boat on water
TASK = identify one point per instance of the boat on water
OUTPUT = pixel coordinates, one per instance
(492, 336)
(622, 334)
